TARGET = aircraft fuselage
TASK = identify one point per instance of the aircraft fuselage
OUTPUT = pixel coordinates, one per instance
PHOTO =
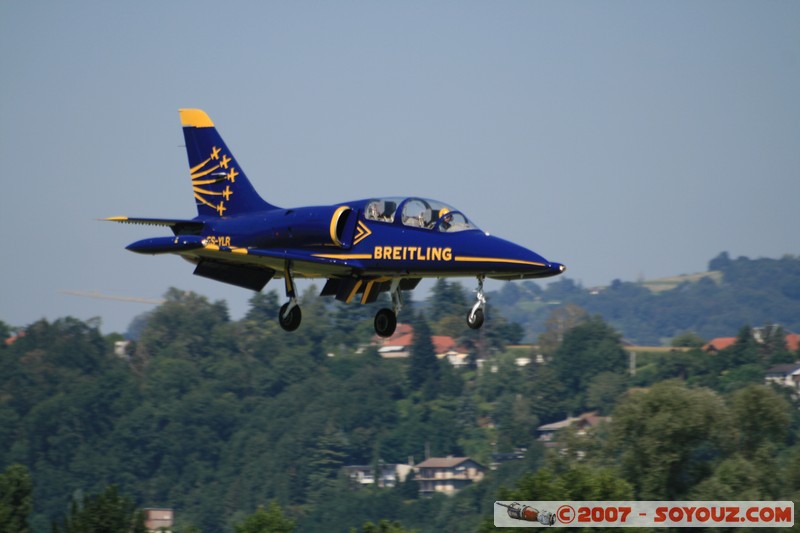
(363, 247)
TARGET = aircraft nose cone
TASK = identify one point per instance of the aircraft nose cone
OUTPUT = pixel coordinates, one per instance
(558, 268)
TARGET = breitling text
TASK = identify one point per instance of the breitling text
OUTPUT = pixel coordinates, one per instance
(413, 253)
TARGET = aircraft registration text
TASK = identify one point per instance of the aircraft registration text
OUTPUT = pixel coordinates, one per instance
(219, 240)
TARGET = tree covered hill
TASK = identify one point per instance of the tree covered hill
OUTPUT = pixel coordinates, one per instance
(748, 291)
(216, 417)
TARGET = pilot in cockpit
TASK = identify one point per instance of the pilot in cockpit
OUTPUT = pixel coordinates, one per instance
(380, 210)
(446, 219)
(372, 211)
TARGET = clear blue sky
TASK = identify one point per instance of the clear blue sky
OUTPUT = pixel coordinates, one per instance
(624, 139)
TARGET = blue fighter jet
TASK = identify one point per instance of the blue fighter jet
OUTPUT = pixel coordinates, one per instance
(362, 248)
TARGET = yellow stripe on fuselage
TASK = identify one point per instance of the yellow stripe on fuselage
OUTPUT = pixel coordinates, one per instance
(343, 256)
(461, 258)
(468, 259)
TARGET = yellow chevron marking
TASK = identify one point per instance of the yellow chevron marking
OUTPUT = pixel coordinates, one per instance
(362, 232)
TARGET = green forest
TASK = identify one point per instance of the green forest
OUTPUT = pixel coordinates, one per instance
(241, 427)
(732, 293)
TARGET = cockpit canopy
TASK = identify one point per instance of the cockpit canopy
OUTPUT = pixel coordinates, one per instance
(418, 213)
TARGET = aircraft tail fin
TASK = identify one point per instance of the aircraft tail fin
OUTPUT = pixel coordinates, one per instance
(220, 186)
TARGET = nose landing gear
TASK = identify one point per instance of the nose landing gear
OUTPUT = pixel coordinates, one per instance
(476, 314)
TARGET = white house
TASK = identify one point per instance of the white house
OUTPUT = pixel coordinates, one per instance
(447, 475)
(787, 375)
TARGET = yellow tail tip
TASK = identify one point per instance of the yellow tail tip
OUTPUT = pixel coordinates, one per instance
(195, 118)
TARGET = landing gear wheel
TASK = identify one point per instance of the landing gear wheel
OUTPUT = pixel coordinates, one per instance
(385, 323)
(290, 321)
(475, 315)
(475, 319)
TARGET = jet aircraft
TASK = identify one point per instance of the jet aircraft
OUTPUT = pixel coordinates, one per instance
(362, 248)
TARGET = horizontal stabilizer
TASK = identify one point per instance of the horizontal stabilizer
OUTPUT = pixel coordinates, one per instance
(179, 226)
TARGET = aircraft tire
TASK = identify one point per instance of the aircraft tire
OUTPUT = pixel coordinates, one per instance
(291, 322)
(385, 323)
(475, 321)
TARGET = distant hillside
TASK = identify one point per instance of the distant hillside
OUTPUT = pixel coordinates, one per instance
(669, 283)
(732, 293)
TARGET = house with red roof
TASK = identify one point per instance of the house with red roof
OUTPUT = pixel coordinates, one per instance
(793, 342)
(718, 344)
(399, 345)
(14, 338)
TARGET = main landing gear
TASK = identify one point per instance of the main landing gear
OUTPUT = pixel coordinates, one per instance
(385, 322)
(386, 319)
(476, 315)
(289, 317)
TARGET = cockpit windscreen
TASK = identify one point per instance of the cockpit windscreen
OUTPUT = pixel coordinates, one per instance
(418, 213)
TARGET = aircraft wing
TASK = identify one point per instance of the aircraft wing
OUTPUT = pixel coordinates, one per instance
(346, 274)
(345, 262)
(303, 264)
